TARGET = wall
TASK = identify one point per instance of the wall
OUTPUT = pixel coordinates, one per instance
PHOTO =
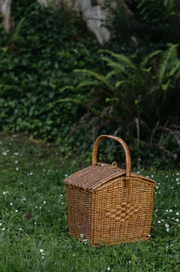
(91, 12)
(5, 9)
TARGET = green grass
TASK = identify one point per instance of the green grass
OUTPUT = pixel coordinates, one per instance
(31, 175)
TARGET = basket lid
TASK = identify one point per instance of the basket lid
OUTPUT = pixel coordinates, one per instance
(94, 176)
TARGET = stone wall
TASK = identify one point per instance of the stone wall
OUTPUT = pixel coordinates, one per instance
(91, 12)
(5, 9)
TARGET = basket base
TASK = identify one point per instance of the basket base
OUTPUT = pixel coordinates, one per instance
(134, 240)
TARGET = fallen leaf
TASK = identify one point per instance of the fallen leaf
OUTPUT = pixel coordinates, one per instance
(29, 215)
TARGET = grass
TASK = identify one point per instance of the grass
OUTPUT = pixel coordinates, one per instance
(33, 217)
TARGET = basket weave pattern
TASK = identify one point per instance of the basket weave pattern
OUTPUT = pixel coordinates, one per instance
(108, 204)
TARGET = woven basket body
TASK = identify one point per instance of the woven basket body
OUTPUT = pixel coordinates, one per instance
(107, 204)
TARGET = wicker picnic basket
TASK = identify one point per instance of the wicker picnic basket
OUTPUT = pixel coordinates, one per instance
(107, 204)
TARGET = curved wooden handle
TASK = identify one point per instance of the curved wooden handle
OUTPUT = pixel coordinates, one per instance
(126, 150)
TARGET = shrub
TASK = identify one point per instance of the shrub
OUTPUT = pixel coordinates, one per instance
(139, 102)
(143, 26)
(38, 60)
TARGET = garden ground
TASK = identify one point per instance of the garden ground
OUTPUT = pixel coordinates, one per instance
(33, 216)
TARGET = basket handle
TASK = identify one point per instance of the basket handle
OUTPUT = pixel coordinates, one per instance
(126, 150)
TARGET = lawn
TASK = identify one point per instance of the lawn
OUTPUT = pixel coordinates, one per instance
(33, 216)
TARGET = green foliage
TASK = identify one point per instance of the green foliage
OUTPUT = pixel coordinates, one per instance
(36, 61)
(50, 59)
(143, 26)
(136, 102)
